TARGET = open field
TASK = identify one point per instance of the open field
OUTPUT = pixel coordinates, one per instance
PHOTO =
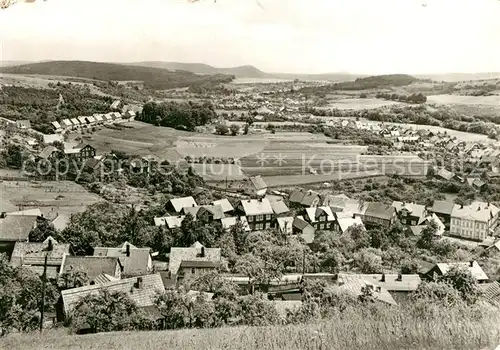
(465, 100)
(359, 103)
(63, 197)
(388, 328)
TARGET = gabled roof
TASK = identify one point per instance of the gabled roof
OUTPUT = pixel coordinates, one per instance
(443, 207)
(179, 203)
(27, 212)
(335, 200)
(61, 222)
(279, 207)
(93, 266)
(408, 283)
(315, 212)
(143, 295)
(225, 204)
(47, 152)
(177, 255)
(90, 119)
(379, 210)
(136, 262)
(99, 118)
(309, 198)
(169, 221)
(477, 211)
(82, 120)
(75, 121)
(229, 222)
(475, 269)
(491, 292)
(215, 210)
(16, 228)
(258, 183)
(56, 125)
(345, 222)
(354, 285)
(414, 209)
(257, 206)
(67, 122)
(445, 174)
(286, 224)
(30, 253)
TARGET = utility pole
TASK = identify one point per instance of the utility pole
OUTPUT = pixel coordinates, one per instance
(44, 278)
(303, 263)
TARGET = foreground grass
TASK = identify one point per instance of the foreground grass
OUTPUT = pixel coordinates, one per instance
(384, 329)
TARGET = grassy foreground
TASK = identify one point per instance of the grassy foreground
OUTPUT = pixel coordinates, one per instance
(384, 329)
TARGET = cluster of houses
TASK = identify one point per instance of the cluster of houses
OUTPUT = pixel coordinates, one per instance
(137, 272)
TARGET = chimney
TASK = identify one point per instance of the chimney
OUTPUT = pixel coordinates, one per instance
(202, 252)
(194, 205)
(379, 289)
(3, 215)
(400, 277)
(127, 250)
(471, 263)
(461, 206)
(139, 283)
(383, 278)
(50, 247)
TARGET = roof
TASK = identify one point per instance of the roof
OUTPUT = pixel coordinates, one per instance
(258, 183)
(354, 285)
(177, 255)
(445, 174)
(307, 230)
(345, 222)
(314, 212)
(61, 222)
(198, 264)
(16, 228)
(27, 212)
(47, 152)
(225, 204)
(29, 253)
(98, 117)
(285, 224)
(477, 211)
(335, 200)
(443, 207)
(491, 292)
(138, 260)
(279, 207)
(309, 198)
(90, 119)
(257, 206)
(93, 266)
(414, 209)
(67, 122)
(475, 269)
(82, 120)
(143, 296)
(105, 278)
(56, 125)
(379, 210)
(408, 283)
(229, 222)
(75, 121)
(169, 221)
(179, 203)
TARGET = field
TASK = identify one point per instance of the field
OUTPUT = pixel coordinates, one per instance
(390, 329)
(465, 100)
(360, 103)
(63, 197)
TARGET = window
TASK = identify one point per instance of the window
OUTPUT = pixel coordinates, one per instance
(259, 227)
(193, 271)
(404, 213)
(413, 222)
(260, 217)
(323, 218)
(268, 217)
(250, 218)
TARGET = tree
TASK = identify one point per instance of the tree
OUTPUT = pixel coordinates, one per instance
(73, 278)
(246, 129)
(221, 129)
(437, 292)
(257, 311)
(42, 231)
(360, 236)
(462, 280)
(235, 129)
(368, 262)
(108, 312)
(428, 235)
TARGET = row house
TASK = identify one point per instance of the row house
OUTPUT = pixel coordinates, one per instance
(475, 221)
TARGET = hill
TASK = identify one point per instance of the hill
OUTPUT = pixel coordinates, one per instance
(246, 71)
(456, 77)
(154, 78)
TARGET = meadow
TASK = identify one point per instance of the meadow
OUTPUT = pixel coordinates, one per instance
(404, 327)
(360, 103)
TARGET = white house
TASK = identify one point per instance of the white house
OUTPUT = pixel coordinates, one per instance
(475, 221)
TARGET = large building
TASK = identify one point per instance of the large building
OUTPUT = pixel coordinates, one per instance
(475, 221)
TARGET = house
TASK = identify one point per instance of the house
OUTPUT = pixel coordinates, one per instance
(99, 118)
(142, 290)
(175, 205)
(206, 213)
(259, 213)
(50, 139)
(475, 221)
(347, 220)
(193, 261)
(445, 174)
(86, 151)
(410, 213)
(477, 183)
(170, 221)
(305, 198)
(31, 256)
(92, 266)
(75, 121)
(135, 261)
(83, 121)
(397, 283)
(303, 229)
(452, 146)
(443, 211)
(321, 218)
(115, 105)
(66, 123)
(337, 200)
(229, 222)
(441, 269)
(57, 127)
(417, 230)
(61, 221)
(356, 286)
(255, 186)
(23, 124)
(227, 207)
(279, 207)
(14, 228)
(379, 214)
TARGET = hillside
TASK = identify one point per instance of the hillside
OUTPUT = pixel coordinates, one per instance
(456, 77)
(154, 78)
(389, 328)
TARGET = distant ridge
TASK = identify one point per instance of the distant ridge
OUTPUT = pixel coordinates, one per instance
(456, 77)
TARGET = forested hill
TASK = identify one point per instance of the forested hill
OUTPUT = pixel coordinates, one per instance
(154, 78)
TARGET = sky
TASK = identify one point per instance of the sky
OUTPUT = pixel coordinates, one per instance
(295, 36)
